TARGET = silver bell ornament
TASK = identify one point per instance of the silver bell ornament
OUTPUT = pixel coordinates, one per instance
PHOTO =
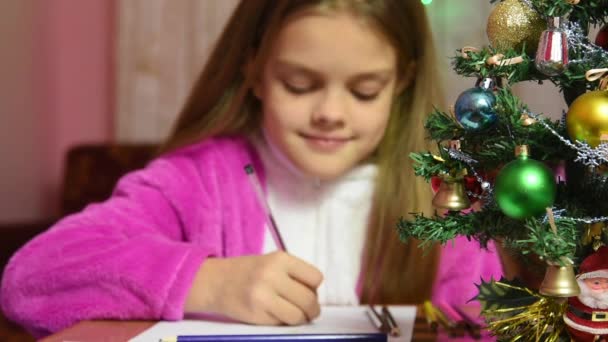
(552, 53)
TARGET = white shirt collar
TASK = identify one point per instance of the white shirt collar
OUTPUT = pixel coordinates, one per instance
(272, 157)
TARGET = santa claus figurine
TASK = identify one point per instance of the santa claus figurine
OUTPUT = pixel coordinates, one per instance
(587, 314)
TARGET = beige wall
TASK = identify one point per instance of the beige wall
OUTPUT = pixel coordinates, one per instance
(162, 46)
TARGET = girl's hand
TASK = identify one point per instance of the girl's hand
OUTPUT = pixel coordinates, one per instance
(271, 289)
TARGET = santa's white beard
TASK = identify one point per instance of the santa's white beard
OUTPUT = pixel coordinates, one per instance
(593, 299)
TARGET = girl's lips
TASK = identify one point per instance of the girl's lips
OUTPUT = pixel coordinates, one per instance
(325, 144)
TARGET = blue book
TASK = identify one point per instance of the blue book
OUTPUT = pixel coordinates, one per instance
(374, 337)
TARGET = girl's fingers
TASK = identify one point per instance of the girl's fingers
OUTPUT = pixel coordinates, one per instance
(264, 318)
(304, 272)
(301, 296)
(286, 312)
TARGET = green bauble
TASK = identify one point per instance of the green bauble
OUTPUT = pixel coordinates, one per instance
(524, 188)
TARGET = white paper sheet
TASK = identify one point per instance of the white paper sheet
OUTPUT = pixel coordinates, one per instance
(333, 320)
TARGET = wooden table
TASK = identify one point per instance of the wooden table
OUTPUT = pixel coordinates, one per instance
(111, 331)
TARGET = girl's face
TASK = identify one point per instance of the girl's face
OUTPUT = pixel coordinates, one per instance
(326, 92)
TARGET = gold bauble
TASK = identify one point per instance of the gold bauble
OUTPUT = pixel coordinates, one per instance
(512, 23)
(587, 118)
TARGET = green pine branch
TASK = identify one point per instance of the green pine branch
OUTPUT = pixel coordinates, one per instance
(529, 237)
(495, 146)
(436, 229)
(474, 64)
(483, 226)
(545, 243)
(426, 165)
(442, 126)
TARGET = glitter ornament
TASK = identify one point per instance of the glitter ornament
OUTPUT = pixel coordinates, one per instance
(524, 187)
(602, 37)
(587, 118)
(474, 109)
(512, 24)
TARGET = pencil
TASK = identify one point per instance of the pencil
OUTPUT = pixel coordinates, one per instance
(378, 320)
(472, 325)
(429, 313)
(447, 322)
(394, 328)
(452, 316)
(375, 320)
(255, 184)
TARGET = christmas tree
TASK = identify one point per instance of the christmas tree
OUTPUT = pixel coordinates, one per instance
(540, 187)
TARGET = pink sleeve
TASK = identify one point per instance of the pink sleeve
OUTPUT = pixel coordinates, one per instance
(121, 259)
(462, 265)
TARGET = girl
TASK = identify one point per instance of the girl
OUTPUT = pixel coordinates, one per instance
(325, 99)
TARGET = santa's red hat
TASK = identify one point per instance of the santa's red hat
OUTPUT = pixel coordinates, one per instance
(595, 265)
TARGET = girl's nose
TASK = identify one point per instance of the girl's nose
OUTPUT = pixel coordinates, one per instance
(329, 111)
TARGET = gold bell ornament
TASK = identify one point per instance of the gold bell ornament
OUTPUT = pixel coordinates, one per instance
(451, 194)
(559, 281)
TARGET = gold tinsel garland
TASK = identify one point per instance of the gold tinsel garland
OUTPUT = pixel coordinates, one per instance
(540, 321)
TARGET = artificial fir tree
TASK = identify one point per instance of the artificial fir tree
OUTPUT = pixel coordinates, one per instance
(503, 160)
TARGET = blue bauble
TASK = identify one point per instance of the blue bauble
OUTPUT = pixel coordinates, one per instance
(474, 109)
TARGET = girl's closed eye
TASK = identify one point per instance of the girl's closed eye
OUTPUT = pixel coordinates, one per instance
(365, 95)
(367, 91)
(301, 88)
(298, 82)
(298, 86)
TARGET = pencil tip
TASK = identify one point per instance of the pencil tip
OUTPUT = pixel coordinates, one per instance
(248, 169)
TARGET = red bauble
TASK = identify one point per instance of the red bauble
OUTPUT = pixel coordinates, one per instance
(602, 38)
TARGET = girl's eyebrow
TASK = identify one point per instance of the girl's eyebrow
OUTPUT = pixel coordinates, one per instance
(284, 65)
(380, 75)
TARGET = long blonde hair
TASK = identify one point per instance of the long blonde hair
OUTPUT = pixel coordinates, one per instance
(222, 103)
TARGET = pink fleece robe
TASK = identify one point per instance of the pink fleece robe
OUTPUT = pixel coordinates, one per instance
(135, 255)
